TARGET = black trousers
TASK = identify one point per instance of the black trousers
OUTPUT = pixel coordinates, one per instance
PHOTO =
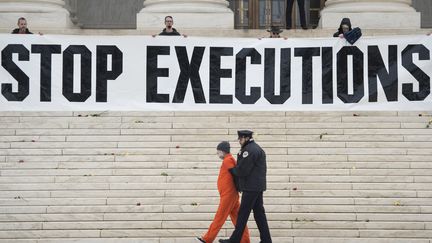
(251, 201)
(288, 13)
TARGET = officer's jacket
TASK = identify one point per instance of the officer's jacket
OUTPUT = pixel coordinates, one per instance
(251, 168)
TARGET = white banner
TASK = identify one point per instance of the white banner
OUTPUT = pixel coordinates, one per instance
(54, 72)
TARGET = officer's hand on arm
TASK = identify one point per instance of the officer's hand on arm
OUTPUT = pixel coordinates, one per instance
(235, 178)
(247, 164)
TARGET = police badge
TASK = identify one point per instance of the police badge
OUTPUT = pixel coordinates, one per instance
(245, 154)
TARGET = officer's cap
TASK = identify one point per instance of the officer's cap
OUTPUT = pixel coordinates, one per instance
(244, 133)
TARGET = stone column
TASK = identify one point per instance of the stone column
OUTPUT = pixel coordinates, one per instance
(371, 14)
(187, 14)
(40, 14)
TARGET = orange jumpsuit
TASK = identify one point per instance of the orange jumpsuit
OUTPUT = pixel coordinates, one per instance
(229, 202)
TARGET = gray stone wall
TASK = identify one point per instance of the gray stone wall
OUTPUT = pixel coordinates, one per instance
(105, 14)
(425, 7)
(121, 14)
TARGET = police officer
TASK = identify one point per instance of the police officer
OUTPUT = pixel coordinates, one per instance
(250, 172)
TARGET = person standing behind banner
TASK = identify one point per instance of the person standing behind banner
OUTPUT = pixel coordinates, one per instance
(345, 31)
(344, 27)
(274, 32)
(288, 14)
(251, 171)
(169, 30)
(22, 27)
(229, 197)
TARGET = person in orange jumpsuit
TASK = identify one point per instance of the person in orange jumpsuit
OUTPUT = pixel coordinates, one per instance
(229, 197)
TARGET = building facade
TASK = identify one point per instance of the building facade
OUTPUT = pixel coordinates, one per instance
(220, 14)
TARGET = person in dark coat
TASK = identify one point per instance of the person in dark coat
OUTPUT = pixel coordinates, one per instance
(344, 27)
(250, 171)
(22, 27)
(274, 32)
(169, 30)
(288, 13)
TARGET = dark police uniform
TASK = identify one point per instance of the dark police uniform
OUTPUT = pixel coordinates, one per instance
(250, 172)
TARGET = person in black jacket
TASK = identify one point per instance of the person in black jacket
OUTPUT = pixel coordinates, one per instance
(169, 30)
(250, 171)
(344, 27)
(22, 27)
(274, 31)
(288, 14)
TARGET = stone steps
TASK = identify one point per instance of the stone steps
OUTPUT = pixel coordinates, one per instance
(151, 176)
(253, 240)
(162, 233)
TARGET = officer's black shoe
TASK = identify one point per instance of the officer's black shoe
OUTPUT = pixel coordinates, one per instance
(224, 241)
(200, 239)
